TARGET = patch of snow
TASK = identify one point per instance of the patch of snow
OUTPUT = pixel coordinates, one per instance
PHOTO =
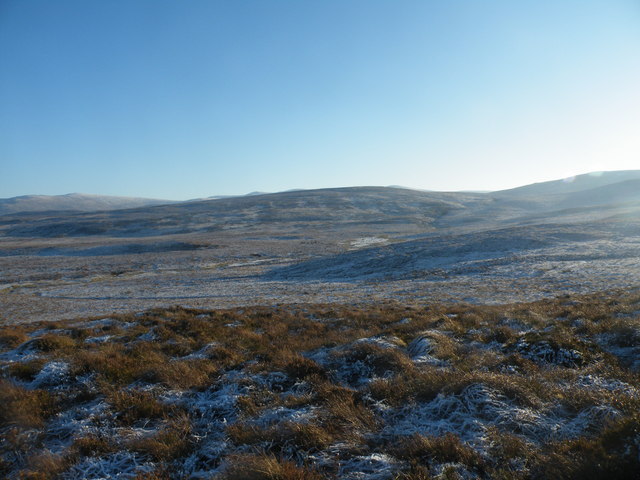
(78, 421)
(629, 353)
(420, 346)
(368, 241)
(149, 336)
(353, 372)
(544, 352)
(12, 455)
(204, 462)
(381, 341)
(203, 353)
(633, 314)
(211, 411)
(212, 407)
(420, 349)
(22, 353)
(465, 414)
(103, 322)
(469, 414)
(589, 420)
(51, 374)
(313, 318)
(612, 385)
(445, 470)
(277, 382)
(284, 414)
(509, 369)
(515, 325)
(101, 339)
(356, 373)
(121, 466)
(249, 263)
(376, 466)
(44, 331)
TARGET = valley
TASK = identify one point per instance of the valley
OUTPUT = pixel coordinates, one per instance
(349, 245)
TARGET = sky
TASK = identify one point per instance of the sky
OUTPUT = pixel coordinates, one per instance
(189, 99)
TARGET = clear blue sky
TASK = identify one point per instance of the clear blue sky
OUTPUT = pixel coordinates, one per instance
(184, 99)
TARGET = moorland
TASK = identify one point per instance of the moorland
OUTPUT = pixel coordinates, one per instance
(354, 333)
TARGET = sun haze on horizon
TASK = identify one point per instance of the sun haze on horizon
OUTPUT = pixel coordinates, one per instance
(166, 99)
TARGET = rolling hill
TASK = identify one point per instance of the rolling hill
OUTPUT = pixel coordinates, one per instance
(72, 202)
(385, 210)
(353, 244)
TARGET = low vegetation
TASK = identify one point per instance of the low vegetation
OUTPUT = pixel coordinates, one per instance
(549, 389)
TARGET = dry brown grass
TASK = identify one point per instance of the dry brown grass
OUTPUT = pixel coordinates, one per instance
(92, 446)
(297, 366)
(110, 362)
(309, 436)
(54, 343)
(445, 449)
(12, 336)
(183, 374)
(152, 355)
(133, 406)
(412, 385)
(521, 389)
(120, 366)
(24, 408)
(344, 413)
(265, 467)
(415, 472)
(508, 446)
(614, 454)
(26, 370)
(173, 440)
(45, 466)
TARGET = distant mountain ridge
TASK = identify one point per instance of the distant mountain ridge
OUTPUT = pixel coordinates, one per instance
(73, 202)
(351, 243)
(575, 184)
(359, 204)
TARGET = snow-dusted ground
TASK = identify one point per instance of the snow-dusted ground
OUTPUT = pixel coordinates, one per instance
(490, 267)
(368, 242)
(547, 380)
(353, 245)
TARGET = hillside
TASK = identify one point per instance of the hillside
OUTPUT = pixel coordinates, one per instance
(72, 202)
(341, 208)
(575, 184)
(385, 210)
(328, 245)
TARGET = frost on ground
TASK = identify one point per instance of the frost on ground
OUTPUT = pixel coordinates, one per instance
(367, 242)
(548, 389)
(121, 465)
